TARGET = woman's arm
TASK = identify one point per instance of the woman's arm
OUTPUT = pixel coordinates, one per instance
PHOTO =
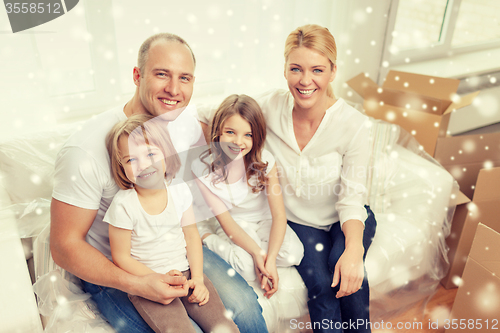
(119, 240)
(194, 251)
(350, 264)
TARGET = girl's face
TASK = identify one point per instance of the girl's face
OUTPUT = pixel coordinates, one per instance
(236, 139)
(308, 74)
(144, 164)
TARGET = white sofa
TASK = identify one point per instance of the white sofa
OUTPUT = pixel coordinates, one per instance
(410, 194)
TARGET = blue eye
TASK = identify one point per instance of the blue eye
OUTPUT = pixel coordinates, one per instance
(131, 160)
(295, 69)
(151, 154)
(229, 132)
(318, 71)
(248, 135)
(185, 78)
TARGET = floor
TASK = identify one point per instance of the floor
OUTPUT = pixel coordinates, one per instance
(429, 320)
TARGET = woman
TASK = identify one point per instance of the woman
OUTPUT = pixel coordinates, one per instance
(321, 146)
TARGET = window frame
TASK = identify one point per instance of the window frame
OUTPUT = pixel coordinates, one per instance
(441, 49)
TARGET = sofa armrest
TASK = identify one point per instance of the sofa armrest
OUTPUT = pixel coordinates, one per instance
(18, 308)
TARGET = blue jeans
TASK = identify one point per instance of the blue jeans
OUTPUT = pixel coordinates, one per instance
(234, 292)
(328, 313)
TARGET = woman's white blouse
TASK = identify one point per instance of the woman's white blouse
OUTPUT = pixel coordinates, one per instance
(326, 181)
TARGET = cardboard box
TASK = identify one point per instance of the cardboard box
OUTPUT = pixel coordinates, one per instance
(463, 157)
(420, 104)
(484, 208)
(477, 304)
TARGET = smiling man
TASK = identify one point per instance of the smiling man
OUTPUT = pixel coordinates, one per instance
(84, 189)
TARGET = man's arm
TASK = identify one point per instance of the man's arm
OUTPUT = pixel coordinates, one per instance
(68, 229)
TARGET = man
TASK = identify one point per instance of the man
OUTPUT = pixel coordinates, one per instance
(84, 188)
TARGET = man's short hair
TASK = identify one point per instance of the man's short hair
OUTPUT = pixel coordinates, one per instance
(144, 49)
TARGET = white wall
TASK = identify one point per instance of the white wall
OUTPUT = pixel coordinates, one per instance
(81, 63)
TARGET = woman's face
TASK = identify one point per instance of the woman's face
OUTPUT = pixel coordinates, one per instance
(308, 74)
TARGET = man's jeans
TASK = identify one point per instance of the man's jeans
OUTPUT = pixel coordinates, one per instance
(236, 294)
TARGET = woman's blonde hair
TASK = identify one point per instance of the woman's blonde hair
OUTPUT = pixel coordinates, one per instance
(141, 129)
(248, 109)
(316, 38)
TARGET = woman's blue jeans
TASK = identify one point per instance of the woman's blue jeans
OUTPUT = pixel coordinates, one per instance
(234, 291)
(328, 313)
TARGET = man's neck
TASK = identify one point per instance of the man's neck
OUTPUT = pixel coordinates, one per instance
(134, 106)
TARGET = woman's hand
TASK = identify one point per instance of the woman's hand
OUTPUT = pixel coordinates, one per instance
(273, 277)
(200, 293)
(350, 271)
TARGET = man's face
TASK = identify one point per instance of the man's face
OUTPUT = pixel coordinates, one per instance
(166, 80)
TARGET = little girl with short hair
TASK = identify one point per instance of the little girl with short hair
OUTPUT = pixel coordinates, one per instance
(152, 229)
(239, 180)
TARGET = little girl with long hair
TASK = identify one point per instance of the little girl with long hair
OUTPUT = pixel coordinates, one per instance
(239, 180)
(152, 229)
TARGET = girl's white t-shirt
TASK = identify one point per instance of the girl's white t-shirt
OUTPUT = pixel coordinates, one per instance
(157, 240)
(242, 203)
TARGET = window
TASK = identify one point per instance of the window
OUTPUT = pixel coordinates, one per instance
(428, 29)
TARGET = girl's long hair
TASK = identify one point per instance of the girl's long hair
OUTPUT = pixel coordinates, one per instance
(248, 109)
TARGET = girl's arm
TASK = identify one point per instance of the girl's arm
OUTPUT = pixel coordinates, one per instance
(230, 227)
(119, 240)
(275, 199)
(194, 251)
(278, 227)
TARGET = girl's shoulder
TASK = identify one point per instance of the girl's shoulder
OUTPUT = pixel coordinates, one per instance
(268, 158)
(123, 197)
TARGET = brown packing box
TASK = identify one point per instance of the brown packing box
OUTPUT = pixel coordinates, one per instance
(477, 304)
(484, 208)
(463, 157)
(418, 103)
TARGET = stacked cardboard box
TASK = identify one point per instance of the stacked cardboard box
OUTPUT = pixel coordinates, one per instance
(422, 105)
(485, 209)
(477, 304)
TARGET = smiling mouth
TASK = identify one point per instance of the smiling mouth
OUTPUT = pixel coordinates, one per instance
(235, 150)
(306, 92)
(168, 102)
(146, 175)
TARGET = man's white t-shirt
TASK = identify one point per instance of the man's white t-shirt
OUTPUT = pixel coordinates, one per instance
(243, 204)
(83, 174)
(157, 241)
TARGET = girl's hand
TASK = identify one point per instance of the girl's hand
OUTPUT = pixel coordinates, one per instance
(200, 293)
(259, 260)
(273, 277)
(350, 267)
